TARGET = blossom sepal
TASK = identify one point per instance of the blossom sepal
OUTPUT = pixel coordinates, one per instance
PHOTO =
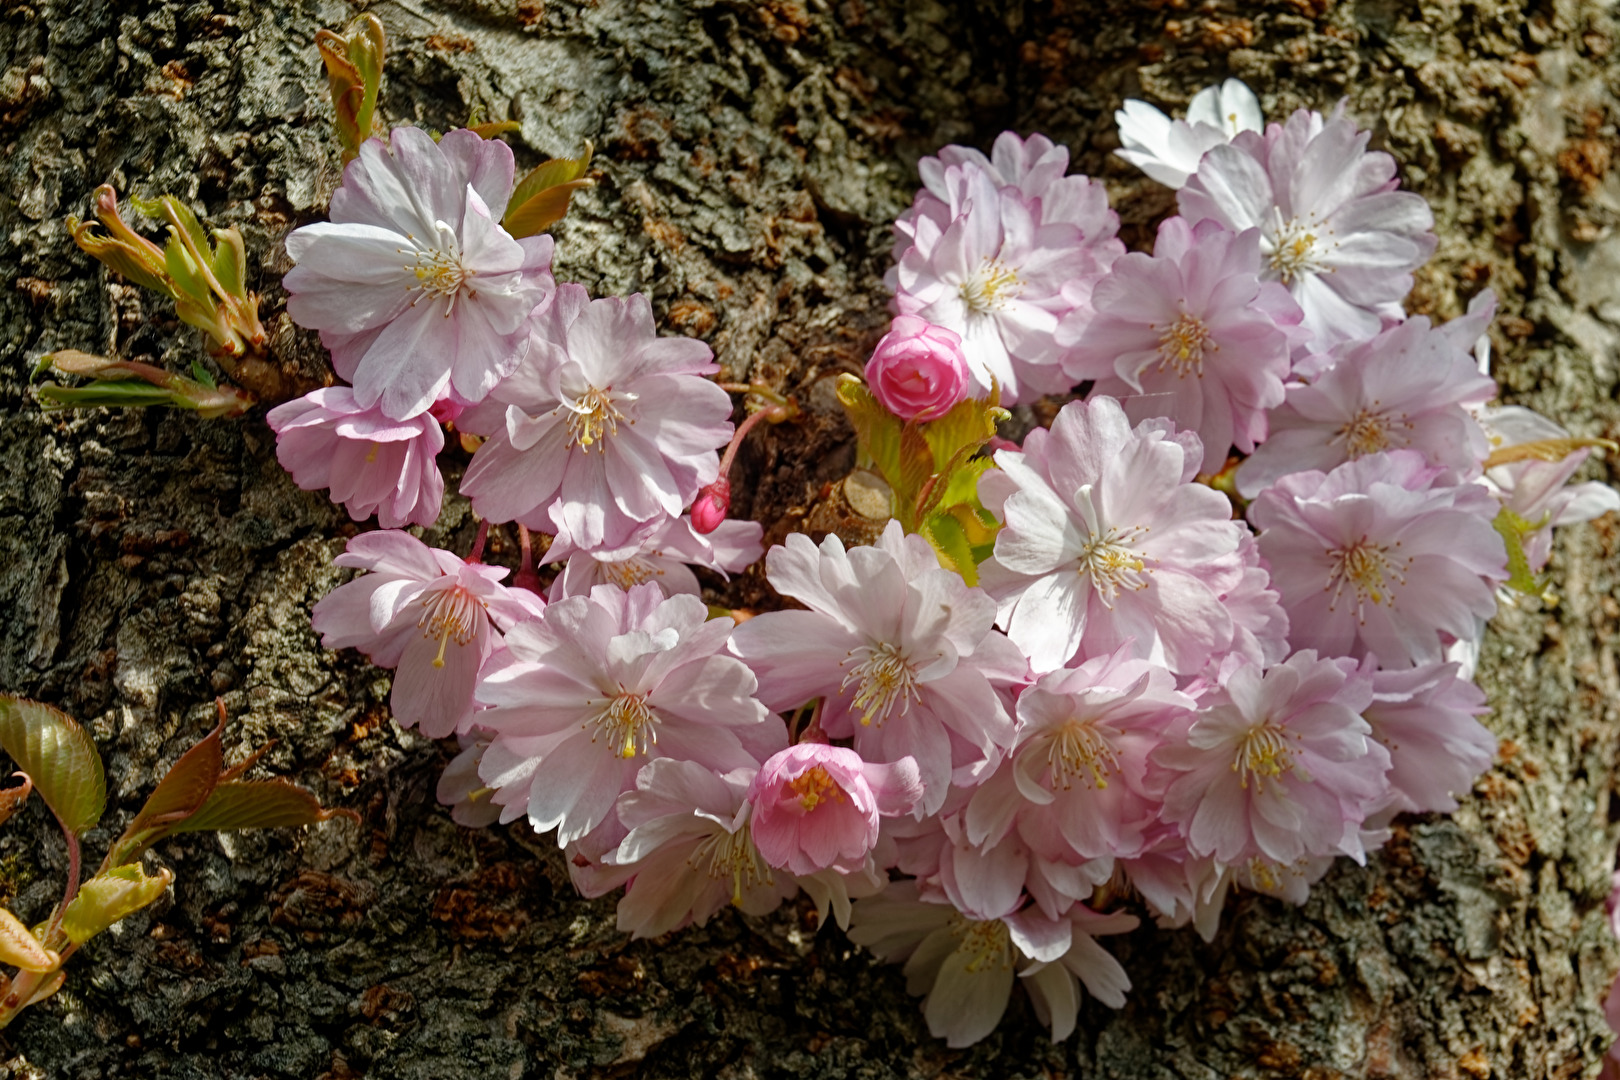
(354, 66)
(932, 470)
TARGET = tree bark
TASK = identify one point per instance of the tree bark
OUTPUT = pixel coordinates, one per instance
(752, 154)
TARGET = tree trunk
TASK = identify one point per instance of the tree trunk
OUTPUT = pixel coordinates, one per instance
(752, 155)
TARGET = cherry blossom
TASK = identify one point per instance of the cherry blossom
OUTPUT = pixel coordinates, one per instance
(662, 552)
(816, 807)
(986, 263)
(598, 686)
(1425, 718)
(1380, 556)
(426, 613)
(1278, 764)
(415, 287)
(1191, 333)
(373, 465)
(901, 651)
(1333, 227)
(917, 371)
(605, 427)
(1169, 150)
(1107, 540)
(1411, 387)
(966, 968)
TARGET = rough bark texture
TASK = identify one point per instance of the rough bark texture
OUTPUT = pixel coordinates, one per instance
(752, 153)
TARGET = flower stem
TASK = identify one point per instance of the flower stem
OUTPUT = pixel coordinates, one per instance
(477, 552)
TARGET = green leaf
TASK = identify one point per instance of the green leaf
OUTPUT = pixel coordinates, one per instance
(12, 798)
(540, 199)
(969, 425)
(102, 393)
(876, 427)
(230, 261)
(951, 544)
(110, 896)
(184, 789)
(255, 804)
(202, 376)
(21, 949)
(59, 756)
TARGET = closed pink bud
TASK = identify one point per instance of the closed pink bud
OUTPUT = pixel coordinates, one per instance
(711, 507)
(918, 371)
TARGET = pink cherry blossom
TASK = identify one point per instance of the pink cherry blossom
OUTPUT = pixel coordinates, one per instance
(415, 287)
(1380, 556)
(426, 613)
(1108, 541)
(1411, 387)
(1078, 785)
(1539, 491)
(966, 967)
(1425, 718)
(918, 371)
(988, 264)
(690, 851)
(598, 686)
(1333, 227)
(901, 651)
(605, 427)
(662, 552)
(1278, 764)
(1169, 150)
(461, 789)
(816, 807)
(1178, 887)
(1191, 333)
(373, 465)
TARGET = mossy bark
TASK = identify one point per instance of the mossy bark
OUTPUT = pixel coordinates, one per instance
(752, 154)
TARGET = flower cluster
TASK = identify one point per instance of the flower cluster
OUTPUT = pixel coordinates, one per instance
(1085, 677)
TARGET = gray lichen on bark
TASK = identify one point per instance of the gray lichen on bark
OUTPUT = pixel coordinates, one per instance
(752, 155)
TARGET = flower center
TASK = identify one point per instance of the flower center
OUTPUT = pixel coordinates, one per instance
(1263, 754)
(732, 855)
(1108, 556)
(1182, 345)
(628, 572)
(1077, 749)
(450, 614)
(1296, 247)
(1369, 433)
(628, 725)
(438, 269)
(1370, 569)
(814, 787)
(594, 416)
(884, 677)
(991, 287)
(986, 942)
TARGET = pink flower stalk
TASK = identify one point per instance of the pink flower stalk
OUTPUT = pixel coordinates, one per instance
(427, 614)
(1278, 764)
(373, 465)
(1379, 556)
(1107, 541)
(1411, 387)
(597, 687)
(606, 426)
(1192, 333)
(415, 287)
(816, 807)
(1169, 150)
(966, 967)
(1078, 784)
(986, 263)
(1425, 718)
(691, 851)
(1539, 491)
(663, 553)
(1333, 227)
(900, 650)
(918, 371)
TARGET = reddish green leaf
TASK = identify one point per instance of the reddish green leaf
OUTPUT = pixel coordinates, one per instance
(541, 198)
(21, 949)
(255, 804)
(59, 756)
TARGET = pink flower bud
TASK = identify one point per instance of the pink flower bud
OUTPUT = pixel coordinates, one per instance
(712, 505)
(817, 806)
(918, 371)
